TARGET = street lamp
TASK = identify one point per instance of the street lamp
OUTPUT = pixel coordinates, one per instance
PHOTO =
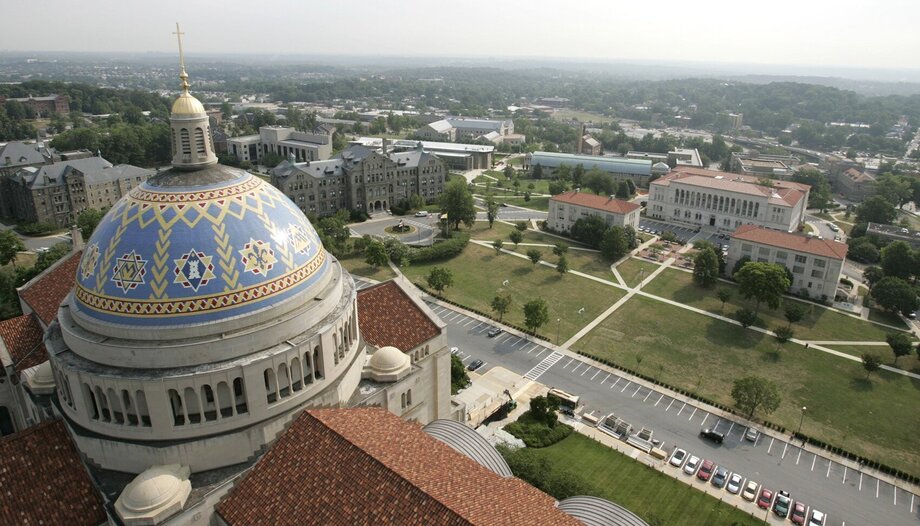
(800, 422)
(558, 323)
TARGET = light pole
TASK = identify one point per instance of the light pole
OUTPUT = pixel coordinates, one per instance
(558, 323)
(800, 422)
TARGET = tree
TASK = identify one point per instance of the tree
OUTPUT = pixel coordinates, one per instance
(501, 304)
(509, 172)
(491, 209)
(862, 250)
(724, 295)
(521, 225)
(562, 266)
(516, 237)
(375, 254)
(622, 190)
(898, 260)
(746, 317)
(271, 159)
(900, 343)
(870, 363)
(88, 220)
(457, 202)
(537, 171)
(589, 230)
(543, 409)
(536, 314)
(742, 261)
(873, 275)
(894, 188)
(613, 244)
(560, 250)
(632, 187)
(753, 392)
(820, 194)
(556, 187)
(497, 245)
(895, 294)
(397, 251)
(706, 268)
(765, 282)
(10, 244)
(783, 333)
(439, 279)
(794, 312)
(458, 377)
(534, 255)
(876, 209)
(599, 182)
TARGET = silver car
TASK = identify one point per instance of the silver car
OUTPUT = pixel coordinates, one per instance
(678, 457)
(692, 464)
(734, 483)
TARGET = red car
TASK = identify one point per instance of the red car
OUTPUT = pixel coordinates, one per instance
(798, 513)
(765, 498)
(706, 470)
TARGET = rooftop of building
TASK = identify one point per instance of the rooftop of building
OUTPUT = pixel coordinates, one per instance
(366, 465)
(596, 202)
(44, 481)
(45, 293)
(858, 176)
(377, 142)
(388, 316)
(22, 337)
(19, 153)
(781, 193)
(95, 170)
(791, 241)
(608, 164)
(466, 122)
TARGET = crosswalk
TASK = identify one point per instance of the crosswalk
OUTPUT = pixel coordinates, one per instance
(543, 366)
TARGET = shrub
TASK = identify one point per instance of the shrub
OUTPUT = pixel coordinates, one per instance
(535, 433)
(440, 251)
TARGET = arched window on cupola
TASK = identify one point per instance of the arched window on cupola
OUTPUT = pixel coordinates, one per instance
(199, 141)
(184, 138)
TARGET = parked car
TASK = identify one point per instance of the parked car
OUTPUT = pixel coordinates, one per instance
(454, 350)
(706, 470)
(765, 498)
(798, 512)
(734, 483)
(781, 504)
(495, 331)
(833, 227)
(817, 518)
(475, 364)
(421, 213)
(715, 436)
(750, 491)
(720, 478)
(751, 434)
(692, 463)
(678, 457)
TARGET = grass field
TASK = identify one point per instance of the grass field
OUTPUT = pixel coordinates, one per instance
(819, 323)
(566, 114)
(886, 318)
(875, 418)
(358, 267)
(632, 269)
(478, 275)
(650, 494)
(882, 352)
(501, 230)
(535, 203)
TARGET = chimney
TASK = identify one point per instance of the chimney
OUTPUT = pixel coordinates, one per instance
(77, 238)
(581, 138)
(384, 146)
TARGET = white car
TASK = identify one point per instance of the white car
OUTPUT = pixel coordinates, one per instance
(817, 518)
(454, 350)
(421, 213)
(734, 483)
(750, 491)
(678, 457)
(692, 464)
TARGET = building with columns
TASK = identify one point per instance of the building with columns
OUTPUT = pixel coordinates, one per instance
(724, 201)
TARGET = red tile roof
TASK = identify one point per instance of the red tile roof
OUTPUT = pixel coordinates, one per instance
(387, 316)
(22, 337)
(47, 292)
(787, 193)
(597, 202)
(367, 466)
(43, 480)
(797, 242)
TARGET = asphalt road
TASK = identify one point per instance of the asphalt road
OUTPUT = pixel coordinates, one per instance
(425, 228)
(848, 496)
(34, 243)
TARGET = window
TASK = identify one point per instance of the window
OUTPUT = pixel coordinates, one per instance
(763, 251)
(798, 270)
(799, 258)
(817, 274)
(745, 247)
(780, 255)
(820, 263)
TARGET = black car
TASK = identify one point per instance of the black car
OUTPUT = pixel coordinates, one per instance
(494, 332)
(715, 436)
(475, 364)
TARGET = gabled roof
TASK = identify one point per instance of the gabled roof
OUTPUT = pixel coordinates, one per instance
(43, 480)
(20, 154)
(388, 317)
(596, 202)
(797, 242)
(858, 176)
(441, 126)
(45, 293)
(782, 193)
(367, 466)
(55, 174)
(22, 337)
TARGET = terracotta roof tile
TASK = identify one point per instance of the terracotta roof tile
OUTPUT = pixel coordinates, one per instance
(782, 192)
(367, 466)
(597, 202)
(43, 481)
(22, 337)
(798, 242)
(387, 316)
(46, 294)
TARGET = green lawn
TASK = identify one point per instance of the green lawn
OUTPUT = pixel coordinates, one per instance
(633, 269)
(567, 114)
(882, 352)
(478, 274)
(887, 318)
(650, 494)
(358, 267)
(535, 203)
(819, 323)
(501, 230)
(874, 418)
(590, 263)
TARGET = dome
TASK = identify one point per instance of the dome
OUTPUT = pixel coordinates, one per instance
(388, 360)
(154, 495)
(661, 168)
(187, 105)
(194, 248)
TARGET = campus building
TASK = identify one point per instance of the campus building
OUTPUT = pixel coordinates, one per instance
(764, 165)
(283, 141)
(724, 201)
(461, 129)
(566, 208)
(854, 184)
(815, 263)
(43, 106)
(638, 170)
(457, 156)
(360, 178)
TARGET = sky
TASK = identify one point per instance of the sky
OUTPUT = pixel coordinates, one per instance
(849, 33)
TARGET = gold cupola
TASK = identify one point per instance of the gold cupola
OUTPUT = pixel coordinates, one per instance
(191, 139)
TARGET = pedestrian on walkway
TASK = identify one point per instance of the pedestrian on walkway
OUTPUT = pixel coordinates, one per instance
(806, 345)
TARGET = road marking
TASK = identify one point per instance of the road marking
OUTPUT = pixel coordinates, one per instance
(541, 352)
(659, 400)
(469, 322)
(568, 363)
(532, 347)
(625, 386)
(799, 456)
(691, 414)
(895, 495)
(477, 326)
(786, 446)
(828, 469)
(483, 365)
(860, 481)
(703, 423)
(877, 483)
(669, 405)
(912, 501)
(730, 429)
(771, 445)
(523, 341)
(605, 379)
(579, 364)
(682, 409)
(637, 391)
(813, 464)
(615, 383)
(845, 476)
(543, 366)
(588, 368)
(467, 358)
(595, 374)
(648, 395)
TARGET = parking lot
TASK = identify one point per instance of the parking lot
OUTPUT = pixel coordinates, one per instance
(684, 234)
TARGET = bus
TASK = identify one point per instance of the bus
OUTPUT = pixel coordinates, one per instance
(568, 403)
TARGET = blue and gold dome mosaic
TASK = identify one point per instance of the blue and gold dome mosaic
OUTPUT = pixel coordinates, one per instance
(174, 252)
